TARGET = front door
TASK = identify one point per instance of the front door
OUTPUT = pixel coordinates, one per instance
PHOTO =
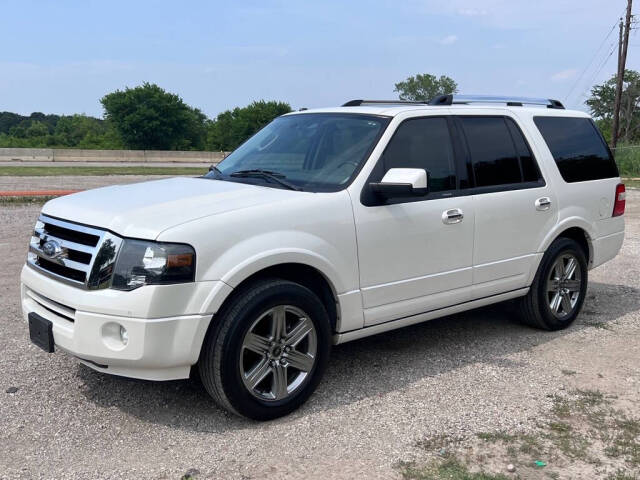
(415, 255)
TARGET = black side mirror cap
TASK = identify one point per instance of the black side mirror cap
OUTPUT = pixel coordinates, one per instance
(397, 190)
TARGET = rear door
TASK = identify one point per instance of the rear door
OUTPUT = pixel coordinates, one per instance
(515, 208)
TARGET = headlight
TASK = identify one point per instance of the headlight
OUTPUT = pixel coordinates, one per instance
(150, 263)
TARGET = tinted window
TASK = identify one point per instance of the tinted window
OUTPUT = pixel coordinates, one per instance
(493, 154)
(577, 147)
(423, 143)
(530, 172)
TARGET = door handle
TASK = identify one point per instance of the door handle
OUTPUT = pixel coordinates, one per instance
(454, 215)
(543, 203)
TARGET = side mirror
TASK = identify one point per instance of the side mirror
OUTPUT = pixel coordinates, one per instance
(402, 182)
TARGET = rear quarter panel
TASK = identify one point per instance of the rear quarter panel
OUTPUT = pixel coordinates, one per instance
(587, 205)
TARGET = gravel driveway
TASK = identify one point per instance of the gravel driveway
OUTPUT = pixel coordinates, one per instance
(469, 373)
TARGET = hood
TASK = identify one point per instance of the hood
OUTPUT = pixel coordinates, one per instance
(144, 210)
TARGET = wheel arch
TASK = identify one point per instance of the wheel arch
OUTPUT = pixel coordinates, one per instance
(302, 273)
(575, 229)
(582, 238)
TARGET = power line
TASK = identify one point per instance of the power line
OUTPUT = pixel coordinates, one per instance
(597, 71)
(591, 61)
(595, 55)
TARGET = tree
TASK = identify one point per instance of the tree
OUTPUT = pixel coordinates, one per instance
(72, 129)
(601, 106)
(37, 129)
(423, 87)
(148, 117)
(232, 127)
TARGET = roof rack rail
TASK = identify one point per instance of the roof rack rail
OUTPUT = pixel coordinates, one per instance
(357, 103)
(510, 101)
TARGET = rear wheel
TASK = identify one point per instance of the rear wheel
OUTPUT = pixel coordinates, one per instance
(267, 350)
(559, 287)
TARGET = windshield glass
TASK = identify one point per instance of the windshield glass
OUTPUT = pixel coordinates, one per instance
(314, 151)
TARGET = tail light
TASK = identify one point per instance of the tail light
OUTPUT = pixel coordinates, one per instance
(618, 205)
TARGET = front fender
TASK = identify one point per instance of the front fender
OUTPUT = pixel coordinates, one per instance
(266, 250)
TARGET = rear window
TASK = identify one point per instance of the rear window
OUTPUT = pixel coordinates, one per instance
(577, 147)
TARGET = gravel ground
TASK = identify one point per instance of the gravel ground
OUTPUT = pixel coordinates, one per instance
(474, 372)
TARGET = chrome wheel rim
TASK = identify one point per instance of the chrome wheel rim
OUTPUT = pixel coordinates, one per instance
(564, 285)
(278, 353)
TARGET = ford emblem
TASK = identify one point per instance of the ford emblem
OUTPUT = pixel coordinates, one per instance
(51, 248)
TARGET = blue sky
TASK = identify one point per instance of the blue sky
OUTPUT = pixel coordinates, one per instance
(61, 57)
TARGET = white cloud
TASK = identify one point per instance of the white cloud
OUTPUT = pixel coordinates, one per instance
(448, 40)
(563, 75)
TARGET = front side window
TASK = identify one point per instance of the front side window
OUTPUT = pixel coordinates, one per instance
(493, 153)
(423, 143)
(314, 151)
(577, 147)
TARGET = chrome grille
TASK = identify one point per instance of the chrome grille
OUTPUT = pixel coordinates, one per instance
(75, 254)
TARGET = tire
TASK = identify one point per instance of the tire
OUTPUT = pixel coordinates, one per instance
(252, 341)
(541, 308)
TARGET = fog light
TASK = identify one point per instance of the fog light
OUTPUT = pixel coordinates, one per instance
(124, 335)
(114, 336)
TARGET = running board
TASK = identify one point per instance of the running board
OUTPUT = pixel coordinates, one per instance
(423, 317)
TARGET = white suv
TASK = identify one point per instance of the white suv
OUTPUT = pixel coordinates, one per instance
(326, 226)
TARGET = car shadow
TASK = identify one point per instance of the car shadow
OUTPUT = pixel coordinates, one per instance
(368, 367)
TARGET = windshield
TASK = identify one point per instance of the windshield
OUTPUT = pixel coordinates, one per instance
(314, 151)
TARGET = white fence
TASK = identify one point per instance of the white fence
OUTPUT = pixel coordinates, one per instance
(124, 156)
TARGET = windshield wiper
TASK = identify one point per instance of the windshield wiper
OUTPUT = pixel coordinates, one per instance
(268, 174)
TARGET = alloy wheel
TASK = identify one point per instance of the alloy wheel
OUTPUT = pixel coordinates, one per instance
(564, 285)
(278, 353)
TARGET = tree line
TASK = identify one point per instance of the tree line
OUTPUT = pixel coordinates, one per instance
(147, 117)
(141, 118)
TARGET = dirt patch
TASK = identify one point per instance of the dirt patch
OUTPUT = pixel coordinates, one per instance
(584, 435)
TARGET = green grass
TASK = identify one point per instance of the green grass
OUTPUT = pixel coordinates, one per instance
(450, 469)
(628, 160)
(583, 427)
(632, 183)
(50, 171)
(494, 437)
(35, 200)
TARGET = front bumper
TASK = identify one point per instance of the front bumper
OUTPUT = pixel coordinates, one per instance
(166, 324)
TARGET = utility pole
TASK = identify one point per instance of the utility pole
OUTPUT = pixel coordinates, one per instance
(623, 43)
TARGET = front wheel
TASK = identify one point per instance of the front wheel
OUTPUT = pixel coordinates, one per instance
(266, 351)
(559, 287)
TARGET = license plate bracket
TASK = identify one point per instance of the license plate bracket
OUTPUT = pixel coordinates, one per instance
(41, 332)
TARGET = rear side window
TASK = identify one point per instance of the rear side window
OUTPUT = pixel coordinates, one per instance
(493, 153)
(577, 147)
(530, 172)
(423, 143)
